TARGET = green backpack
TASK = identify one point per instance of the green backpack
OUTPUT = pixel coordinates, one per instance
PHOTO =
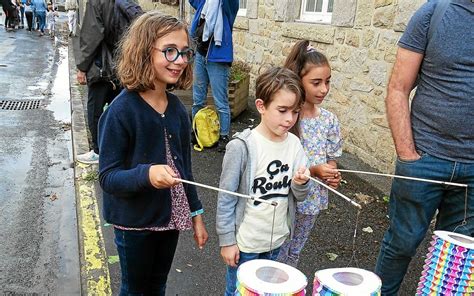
(206, 128)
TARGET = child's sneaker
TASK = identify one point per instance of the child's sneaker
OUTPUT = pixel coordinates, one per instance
(223, 140)
(90, 157)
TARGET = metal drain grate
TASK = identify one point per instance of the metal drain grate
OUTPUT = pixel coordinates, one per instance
(19, 105)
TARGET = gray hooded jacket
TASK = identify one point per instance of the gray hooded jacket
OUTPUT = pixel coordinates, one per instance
(238, 171)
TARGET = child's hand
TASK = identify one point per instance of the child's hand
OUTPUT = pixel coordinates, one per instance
(162, 176)
(301, 176)
(328, 173)
(200, 232)
(230, 255)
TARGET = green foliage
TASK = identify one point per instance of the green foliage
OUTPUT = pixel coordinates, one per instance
(386, 198)
(91, 176)
(239, 71)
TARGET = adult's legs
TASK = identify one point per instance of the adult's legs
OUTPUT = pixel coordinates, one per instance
(145, 260)
(5, 12)
(456, 211)
(411, 209)
(291, 249)
(98, 94)
(29, 19)
(200, 83)
(231, 274)
(10, 17)
(22, 16)
(219, 79)
(42, 20)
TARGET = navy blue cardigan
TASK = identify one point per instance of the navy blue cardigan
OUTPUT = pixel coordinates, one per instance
(131, 139)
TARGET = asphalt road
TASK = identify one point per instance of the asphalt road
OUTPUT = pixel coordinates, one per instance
(38, 233)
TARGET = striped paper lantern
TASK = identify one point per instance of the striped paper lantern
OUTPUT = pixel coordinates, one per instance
(263, 277)
(449, 266)
(347, 281)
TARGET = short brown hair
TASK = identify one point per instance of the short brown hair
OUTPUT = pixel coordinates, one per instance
(276, 78)
(134, 65)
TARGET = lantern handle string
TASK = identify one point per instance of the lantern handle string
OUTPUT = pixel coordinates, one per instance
(335, 191)
(403, 177)
(272, 203)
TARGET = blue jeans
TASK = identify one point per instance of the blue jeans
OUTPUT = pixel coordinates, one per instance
(231, 275)
(41, 15)
(412, 207)
(217, 74)
(145, 260)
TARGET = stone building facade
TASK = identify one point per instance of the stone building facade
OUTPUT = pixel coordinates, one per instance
(360, 42)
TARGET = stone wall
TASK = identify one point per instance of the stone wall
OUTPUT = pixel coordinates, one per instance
(361, 47)
(360, 44)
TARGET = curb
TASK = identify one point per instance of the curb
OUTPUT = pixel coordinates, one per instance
(95, 276)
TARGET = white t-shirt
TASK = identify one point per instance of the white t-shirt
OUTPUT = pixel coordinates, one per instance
(274, 171)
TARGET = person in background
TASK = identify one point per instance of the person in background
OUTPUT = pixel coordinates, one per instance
(9, 9)
(94, 64)
(40, 7)
(320, 135)
(71, 8)
(211, 29)
(433, 137)
(267, 162)
(29, 15)
(145, 143)
(51, 16)
(21, 4)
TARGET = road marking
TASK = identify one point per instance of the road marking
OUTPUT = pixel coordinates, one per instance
(95, 269)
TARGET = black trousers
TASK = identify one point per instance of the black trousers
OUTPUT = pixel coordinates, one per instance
(98, 94)
(29, 19)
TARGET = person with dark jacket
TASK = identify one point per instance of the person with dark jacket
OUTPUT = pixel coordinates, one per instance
(211, 29)
(94, 64)
(9, 9)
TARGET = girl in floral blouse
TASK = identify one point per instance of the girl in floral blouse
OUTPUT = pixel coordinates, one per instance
(320, 136)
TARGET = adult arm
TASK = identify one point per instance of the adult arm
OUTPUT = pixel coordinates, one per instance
(404, 73)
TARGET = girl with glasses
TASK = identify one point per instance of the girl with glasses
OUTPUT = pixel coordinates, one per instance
(144, 144)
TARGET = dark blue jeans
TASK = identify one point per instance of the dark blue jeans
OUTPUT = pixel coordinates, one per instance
(412, 207)
(145, 260)
(231, 275)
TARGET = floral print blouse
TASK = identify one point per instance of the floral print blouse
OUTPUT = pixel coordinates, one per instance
(321, 140)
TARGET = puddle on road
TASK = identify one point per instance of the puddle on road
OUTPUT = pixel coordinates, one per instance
(60, 91)
(15, 168)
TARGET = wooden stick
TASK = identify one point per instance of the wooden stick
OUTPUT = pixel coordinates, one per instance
(404, 177)
(335, 191)
(272, 203)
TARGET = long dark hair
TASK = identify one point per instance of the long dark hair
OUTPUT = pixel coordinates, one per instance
(300, 58)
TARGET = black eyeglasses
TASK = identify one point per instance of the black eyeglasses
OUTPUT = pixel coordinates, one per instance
(172, 54)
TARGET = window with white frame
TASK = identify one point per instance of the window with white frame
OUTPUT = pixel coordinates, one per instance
(242, 8)
(319, 11)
